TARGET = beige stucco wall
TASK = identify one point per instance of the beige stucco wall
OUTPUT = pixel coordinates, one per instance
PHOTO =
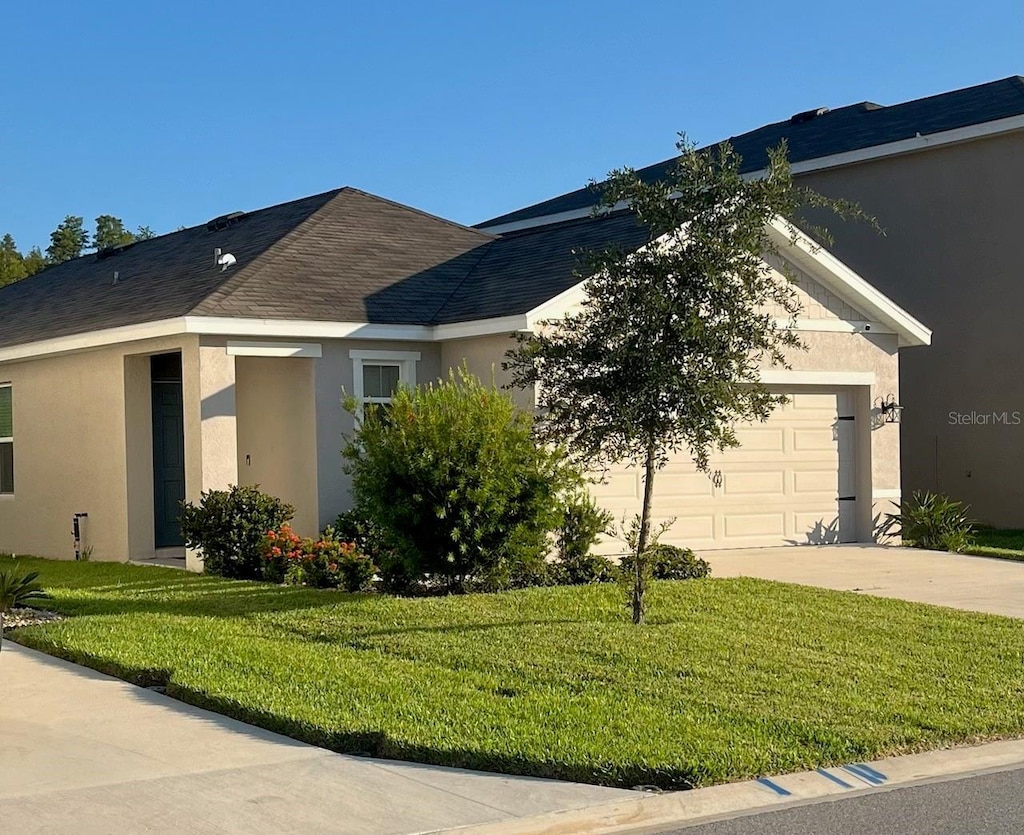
(877, 454)
(483, 356)
(276, 426)
(951, 255)
(71, 449)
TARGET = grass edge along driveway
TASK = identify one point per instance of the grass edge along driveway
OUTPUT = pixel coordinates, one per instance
(731, 679)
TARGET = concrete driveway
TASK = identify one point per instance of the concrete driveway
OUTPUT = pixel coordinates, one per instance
(85, 753)
(974, 583)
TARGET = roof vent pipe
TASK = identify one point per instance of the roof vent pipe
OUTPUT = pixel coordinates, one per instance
(807, 115)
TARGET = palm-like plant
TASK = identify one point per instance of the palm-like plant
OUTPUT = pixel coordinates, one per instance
(16, 590)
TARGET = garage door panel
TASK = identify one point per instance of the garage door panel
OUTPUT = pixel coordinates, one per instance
(684, 485)
(781, 486)
(617, 485)
(806, 439)
(759, 525)
(750, 483)
(755, 440)
(816, 481)
(820, 404)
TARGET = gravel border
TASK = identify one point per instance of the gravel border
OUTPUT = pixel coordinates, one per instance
(17, 618)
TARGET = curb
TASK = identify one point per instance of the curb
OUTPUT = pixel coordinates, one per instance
(651, 812)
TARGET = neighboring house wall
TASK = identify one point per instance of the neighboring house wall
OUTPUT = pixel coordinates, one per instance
(75, 451)
(953, 254)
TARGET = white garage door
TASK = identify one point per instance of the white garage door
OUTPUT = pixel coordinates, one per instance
(782, 486)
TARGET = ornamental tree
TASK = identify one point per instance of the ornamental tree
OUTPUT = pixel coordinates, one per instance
(663, 354)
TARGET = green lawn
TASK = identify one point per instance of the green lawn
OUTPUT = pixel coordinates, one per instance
(995, 542)
(730, 679)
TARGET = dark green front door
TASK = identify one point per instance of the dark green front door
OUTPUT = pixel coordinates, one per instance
(168, 450)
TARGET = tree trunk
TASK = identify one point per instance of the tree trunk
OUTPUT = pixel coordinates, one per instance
(640, 558)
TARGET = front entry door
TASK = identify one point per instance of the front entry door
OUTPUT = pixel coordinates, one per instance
(168, 450)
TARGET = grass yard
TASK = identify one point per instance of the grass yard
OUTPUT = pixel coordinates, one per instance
(730, 679)
(995, 542)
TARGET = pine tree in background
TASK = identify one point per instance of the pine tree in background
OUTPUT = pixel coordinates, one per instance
(12, 263)
(35, 261)
(67, 241)
(110, 232)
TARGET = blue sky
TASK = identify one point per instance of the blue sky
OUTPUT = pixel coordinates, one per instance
(169, 114)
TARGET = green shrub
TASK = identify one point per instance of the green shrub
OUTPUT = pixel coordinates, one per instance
(229, 527)
(18, 589)
(581, 569)
(581, 525)
(932, 521)
(451, 474)
(324, 563)
(668, 562)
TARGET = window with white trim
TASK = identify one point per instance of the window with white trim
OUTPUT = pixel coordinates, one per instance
(376, 374)
(6, 439)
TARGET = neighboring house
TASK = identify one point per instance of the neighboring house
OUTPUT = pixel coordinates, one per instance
(134, 378)
(944, 176)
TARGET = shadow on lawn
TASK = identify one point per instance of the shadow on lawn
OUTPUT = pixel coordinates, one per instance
(194, 597)
(379, 745)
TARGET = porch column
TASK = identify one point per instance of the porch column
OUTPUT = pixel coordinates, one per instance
(211, 436)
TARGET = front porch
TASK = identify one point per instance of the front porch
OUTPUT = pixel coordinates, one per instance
(206, 417)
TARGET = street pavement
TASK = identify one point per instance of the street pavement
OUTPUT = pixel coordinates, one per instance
(986, 804)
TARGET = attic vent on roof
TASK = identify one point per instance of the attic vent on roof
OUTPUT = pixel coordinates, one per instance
(225, 221)
(114, 250)
(807, 115)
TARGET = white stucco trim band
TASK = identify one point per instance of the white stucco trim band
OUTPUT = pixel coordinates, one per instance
(785, 377)
(274, 349)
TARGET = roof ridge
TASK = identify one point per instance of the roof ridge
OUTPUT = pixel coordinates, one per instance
(420, 212)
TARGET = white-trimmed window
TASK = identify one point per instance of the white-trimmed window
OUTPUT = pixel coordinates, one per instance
(376, 374)
(6, 439)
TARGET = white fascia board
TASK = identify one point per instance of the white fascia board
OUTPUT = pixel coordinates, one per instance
(835, 325)
(557, 306)
(480, 327)
(227, 326)
(849, 286)
(547, 220)
(786, 377)
(251, 348)
(368, 354)
(93, 339)
(261, 332)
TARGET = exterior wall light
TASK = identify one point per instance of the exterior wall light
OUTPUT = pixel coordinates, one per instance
(892, 412)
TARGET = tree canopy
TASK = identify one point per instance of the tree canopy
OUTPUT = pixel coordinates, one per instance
(665, 351)
(69, 240)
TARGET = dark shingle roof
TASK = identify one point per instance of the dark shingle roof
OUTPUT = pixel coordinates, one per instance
(850, 128)
(342, 256)
(524, 269)
(339, 256)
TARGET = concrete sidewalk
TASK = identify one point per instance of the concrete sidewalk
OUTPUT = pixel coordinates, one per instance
(85, 753)
(974, 583)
